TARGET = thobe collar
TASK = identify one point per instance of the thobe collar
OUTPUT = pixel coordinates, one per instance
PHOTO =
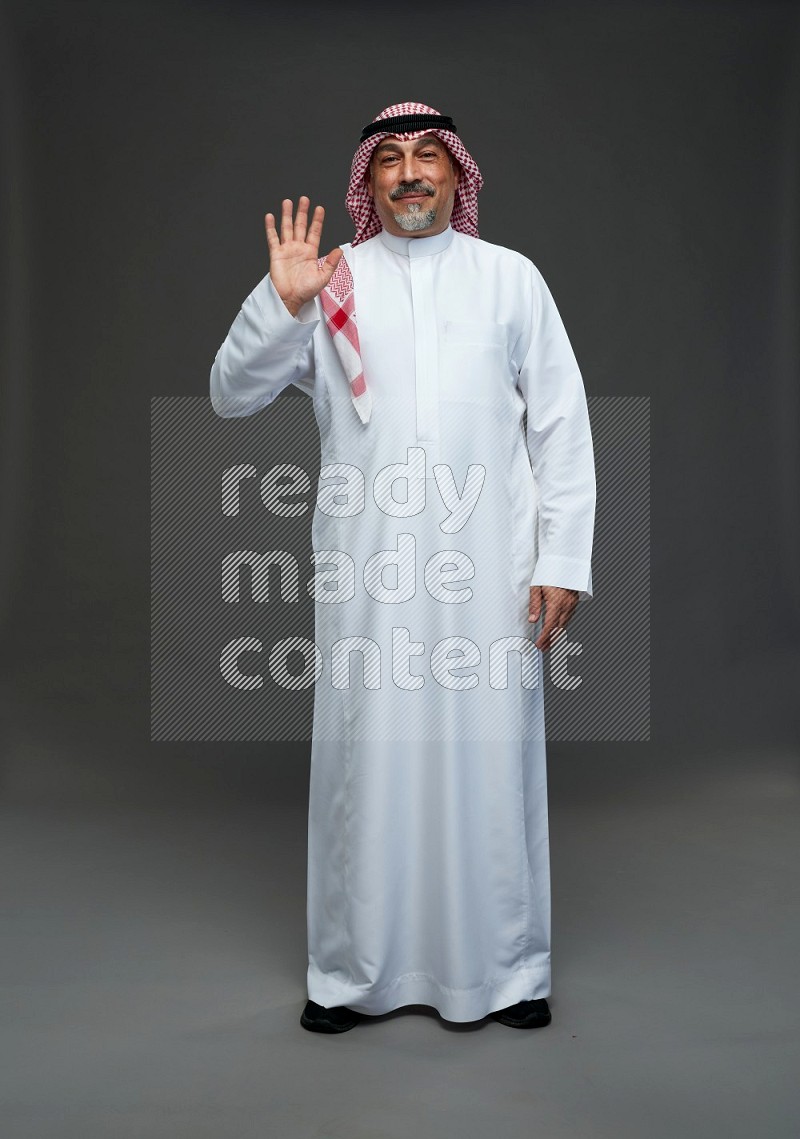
(418, 246)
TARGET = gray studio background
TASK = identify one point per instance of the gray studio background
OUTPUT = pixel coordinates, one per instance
(645, 157)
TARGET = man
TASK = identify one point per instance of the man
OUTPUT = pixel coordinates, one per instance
(453, 420)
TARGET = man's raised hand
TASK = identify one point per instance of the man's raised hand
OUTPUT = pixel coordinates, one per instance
(293, 256)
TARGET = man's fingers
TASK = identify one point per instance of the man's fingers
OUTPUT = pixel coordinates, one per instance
(559, 605)
(315, 229)
(558, 610)
(287, 228)
(551, 623)
(558, 617)
(549, 637)
(301, 221)
(272, 234)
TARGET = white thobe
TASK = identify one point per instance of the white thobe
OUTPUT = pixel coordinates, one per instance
(428, 850)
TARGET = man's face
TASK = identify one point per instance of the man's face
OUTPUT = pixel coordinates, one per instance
(413, 185)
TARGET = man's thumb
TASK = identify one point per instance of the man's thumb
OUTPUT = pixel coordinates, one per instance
(330, 262)
(535, 603)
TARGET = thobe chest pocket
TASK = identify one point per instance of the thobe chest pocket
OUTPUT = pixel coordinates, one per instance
(473, 361)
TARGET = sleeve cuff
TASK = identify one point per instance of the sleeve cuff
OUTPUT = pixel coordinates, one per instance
(567, 573)
(278, 321)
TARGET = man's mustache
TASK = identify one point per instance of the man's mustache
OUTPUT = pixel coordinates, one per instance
(413, 188)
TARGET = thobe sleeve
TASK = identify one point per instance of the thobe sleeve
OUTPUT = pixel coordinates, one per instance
(265, 350)
(560, 447)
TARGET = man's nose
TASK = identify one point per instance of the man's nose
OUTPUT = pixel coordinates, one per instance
(411, 169)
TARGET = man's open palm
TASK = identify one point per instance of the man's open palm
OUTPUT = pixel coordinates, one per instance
(293, 256)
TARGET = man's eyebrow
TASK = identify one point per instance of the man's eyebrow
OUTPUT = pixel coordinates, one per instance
(426, 141)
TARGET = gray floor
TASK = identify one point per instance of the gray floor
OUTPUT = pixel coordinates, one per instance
(154, 961)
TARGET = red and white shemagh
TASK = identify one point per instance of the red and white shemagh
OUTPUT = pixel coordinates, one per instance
(340, 318)
(337, 298)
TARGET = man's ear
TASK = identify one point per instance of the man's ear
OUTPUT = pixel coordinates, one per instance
(368, 181)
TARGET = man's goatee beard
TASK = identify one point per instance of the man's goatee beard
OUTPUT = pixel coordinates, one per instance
(416, 218)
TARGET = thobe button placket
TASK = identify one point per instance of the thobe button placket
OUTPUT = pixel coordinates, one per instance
(426, 352)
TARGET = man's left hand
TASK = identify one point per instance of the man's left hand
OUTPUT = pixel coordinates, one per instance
(559, 606)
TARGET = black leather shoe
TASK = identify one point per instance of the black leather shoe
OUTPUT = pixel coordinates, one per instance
(317, 1018)
(525, 1014)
